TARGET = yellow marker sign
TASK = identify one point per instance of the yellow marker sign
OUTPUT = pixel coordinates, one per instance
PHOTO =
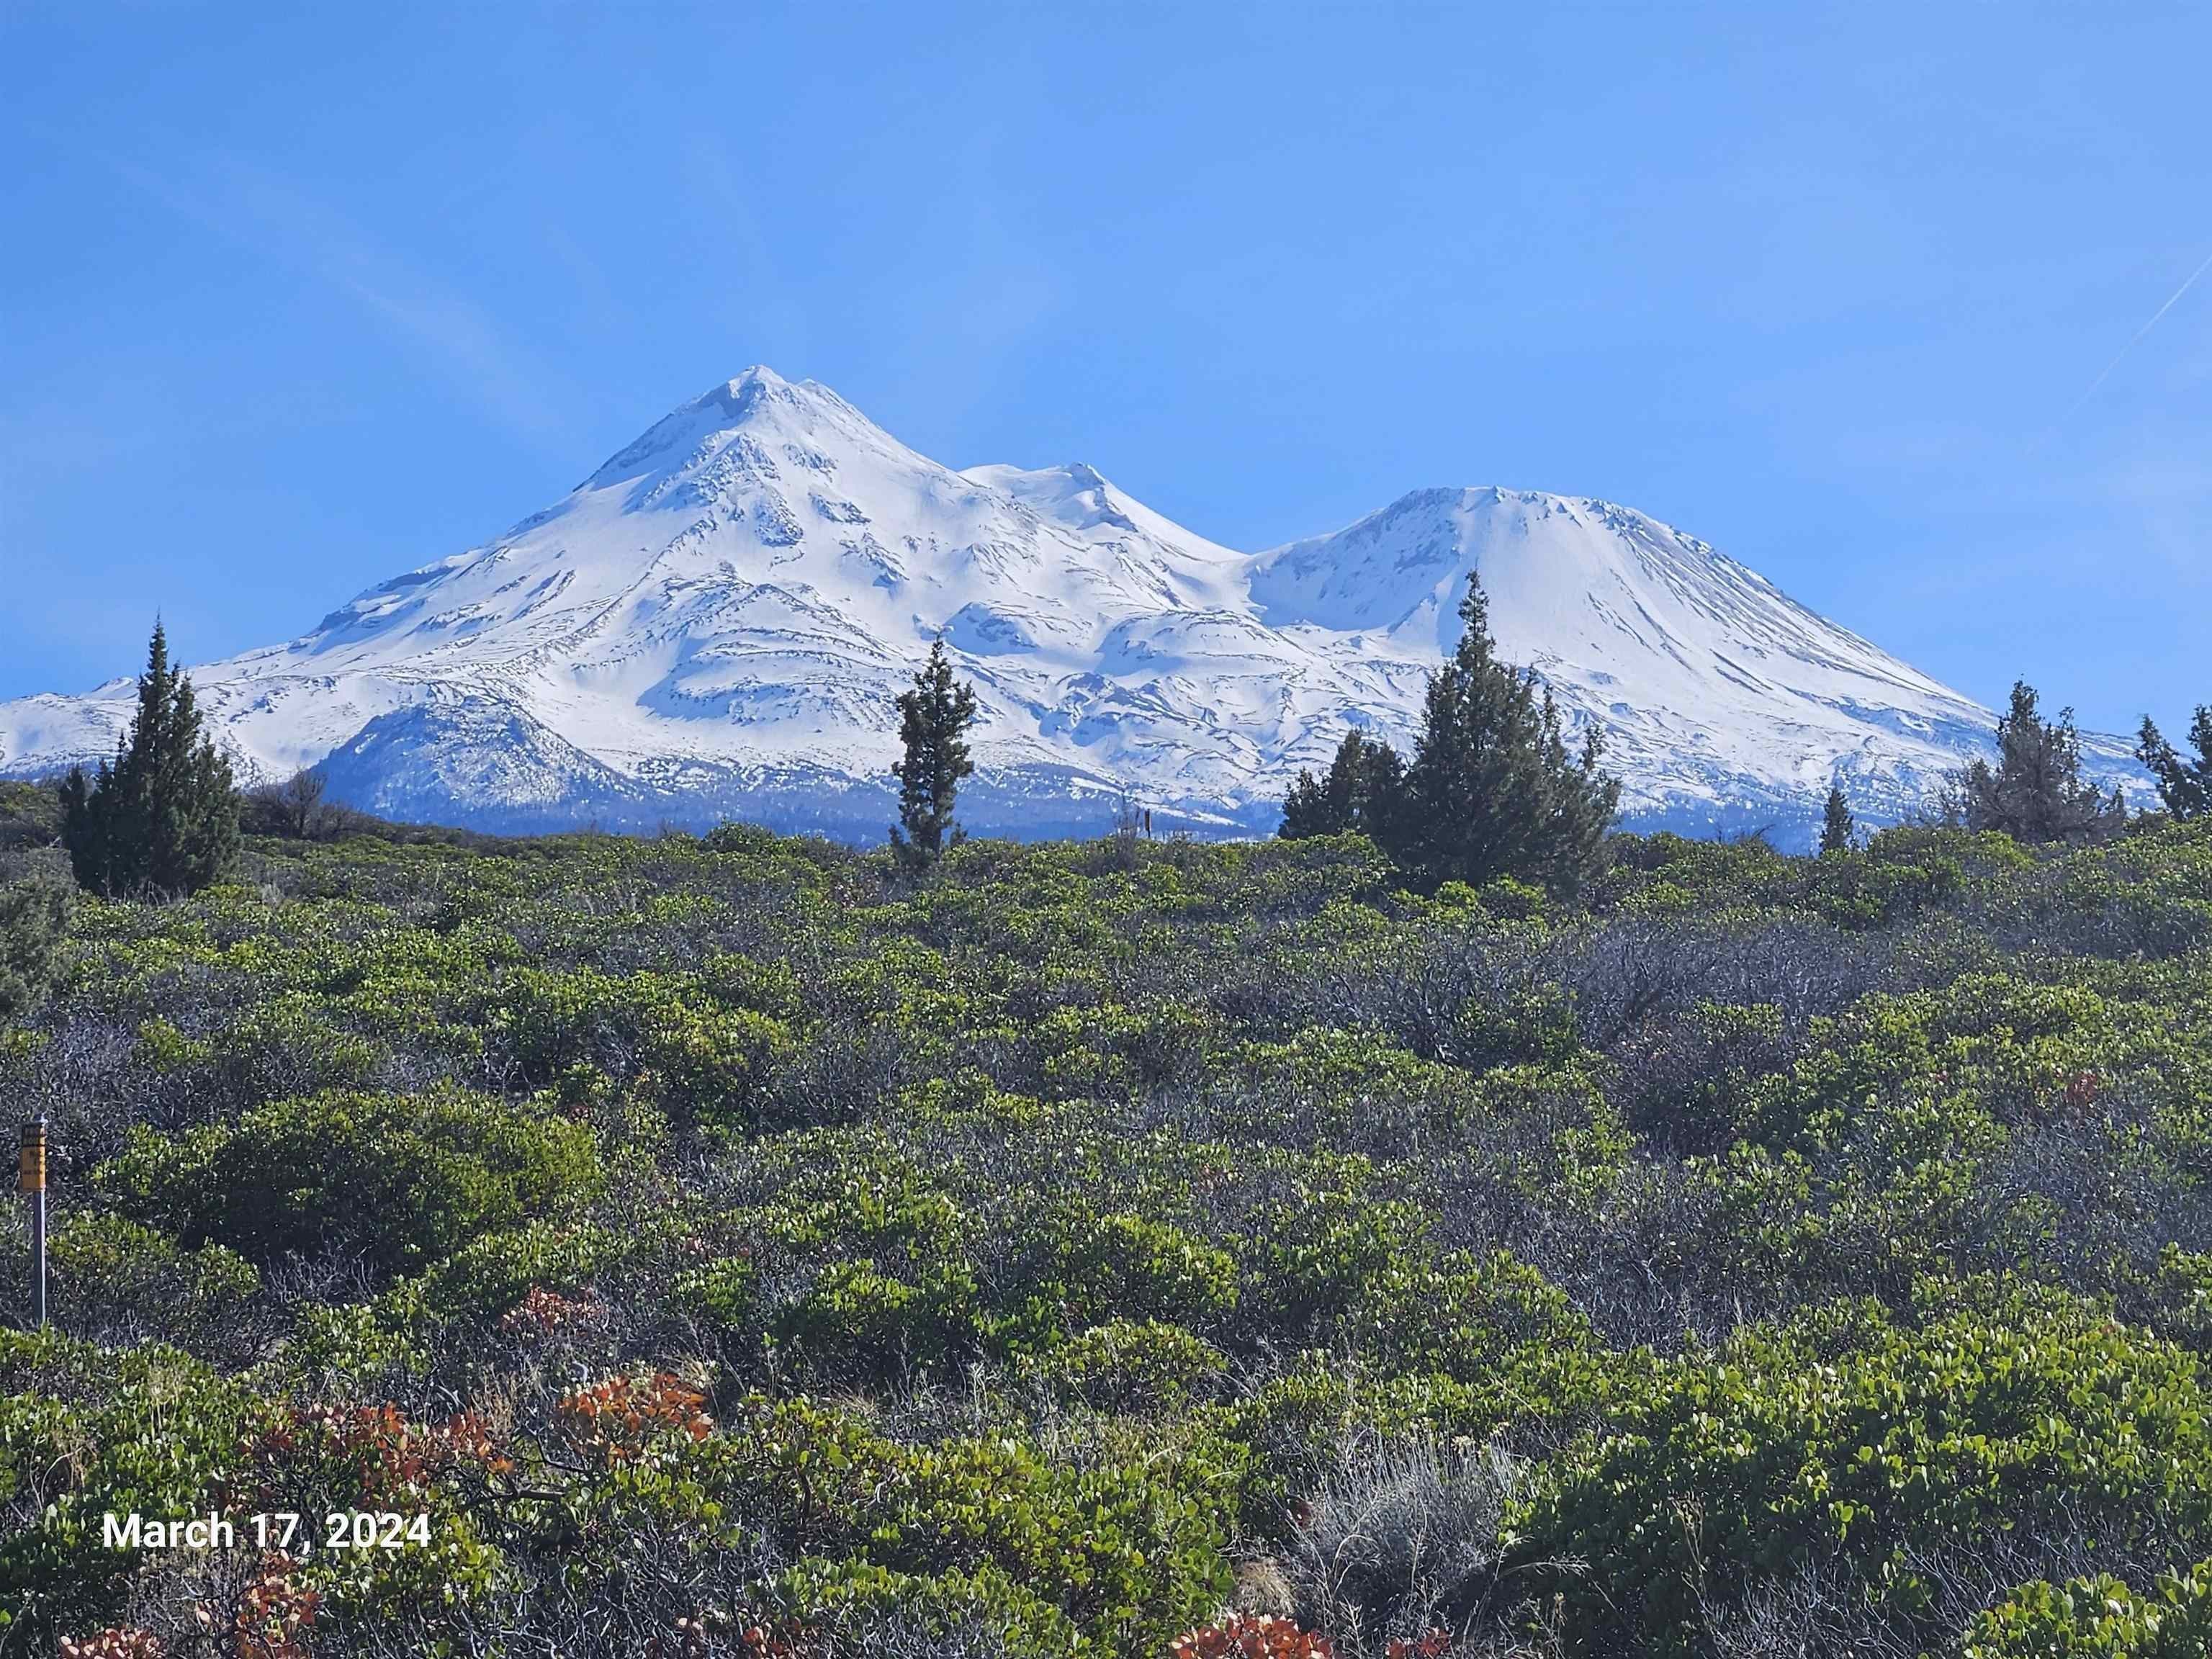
(31, 1161)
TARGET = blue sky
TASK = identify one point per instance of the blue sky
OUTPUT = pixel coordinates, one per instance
(292, 303)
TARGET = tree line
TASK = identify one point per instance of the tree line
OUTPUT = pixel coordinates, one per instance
(1491, 789)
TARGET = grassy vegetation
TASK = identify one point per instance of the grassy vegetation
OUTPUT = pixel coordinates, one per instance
(745, 1247)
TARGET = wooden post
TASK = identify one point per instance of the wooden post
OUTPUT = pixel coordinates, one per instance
(31, 1181)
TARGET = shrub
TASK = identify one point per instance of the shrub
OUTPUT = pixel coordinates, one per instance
(1331, 1087)
(2100, 1618)
(85, 1431)
(395, 1181)
(706, 1063)
(115, 1278)
(1130, 1364)
(857, 1322)
(1097, 1268)
(34, 914)
(493, 1271)
(1126, 1548)
(1402, 1538)
(1845, 1437)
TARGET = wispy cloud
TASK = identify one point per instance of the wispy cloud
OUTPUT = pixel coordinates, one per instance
(456, 336)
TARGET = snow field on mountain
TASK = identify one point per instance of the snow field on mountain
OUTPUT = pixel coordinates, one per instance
(720, 615)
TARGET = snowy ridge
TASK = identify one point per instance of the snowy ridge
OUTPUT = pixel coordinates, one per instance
(715, 621)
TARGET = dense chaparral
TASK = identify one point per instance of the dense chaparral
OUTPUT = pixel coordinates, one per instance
(743, 1245)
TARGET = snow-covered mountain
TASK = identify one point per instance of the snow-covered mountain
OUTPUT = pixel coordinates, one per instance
(714, 622)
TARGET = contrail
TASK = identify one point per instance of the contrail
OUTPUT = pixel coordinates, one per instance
(2171, 300)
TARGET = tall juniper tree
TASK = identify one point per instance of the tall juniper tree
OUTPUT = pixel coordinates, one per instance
(1836, 826)
(162, 816)
(2036, 792)
(1362, 791)
(2185, 788)
(1493, 790)
(934, 721)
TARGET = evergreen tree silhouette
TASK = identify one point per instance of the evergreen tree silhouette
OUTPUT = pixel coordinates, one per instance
(1836, 826)
(163, 816)
(2035, 793)
(2185, 788)
(934, 722)
(1362, 791)
(1493, 790)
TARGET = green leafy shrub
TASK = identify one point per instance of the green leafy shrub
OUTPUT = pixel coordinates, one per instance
(85, 1431)
(1095, 1267)
(396, 1179)
(1845, 1437)
(115, 1276)
(1128, 1550)
(2100, 1618)
(1131, 1364)
(705, 1062)
(490, 1273)
(857, 1320)
(34, 915)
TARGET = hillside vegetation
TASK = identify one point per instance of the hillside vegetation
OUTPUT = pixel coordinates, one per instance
(748, 1247)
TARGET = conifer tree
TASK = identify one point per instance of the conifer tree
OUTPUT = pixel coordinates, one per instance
(1836, 826)
(2185, 788)
(1362, 792)
(162, 816)
(1493, 790)
(934, 722)
(2036, 792)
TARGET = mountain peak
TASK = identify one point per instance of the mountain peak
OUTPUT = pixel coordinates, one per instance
(758, 390)
(759, 396)
(716, 623)
(758, 375)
